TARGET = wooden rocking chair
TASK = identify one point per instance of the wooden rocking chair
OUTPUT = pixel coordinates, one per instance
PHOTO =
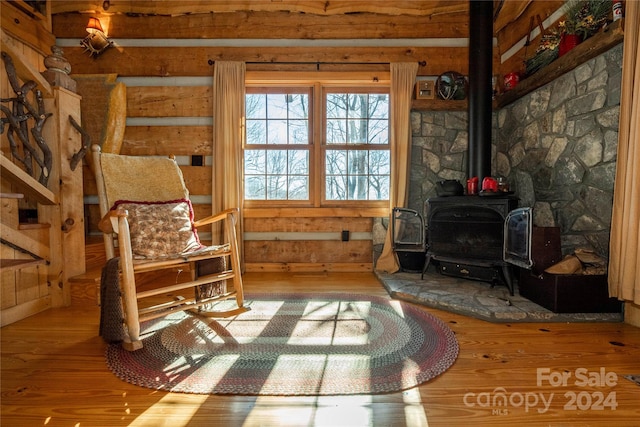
(145, 204)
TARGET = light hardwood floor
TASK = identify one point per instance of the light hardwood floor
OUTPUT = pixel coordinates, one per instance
(54, 374)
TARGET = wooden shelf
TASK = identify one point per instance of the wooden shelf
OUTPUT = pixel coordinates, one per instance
(439, 105)
(612, 35)
(25, 182)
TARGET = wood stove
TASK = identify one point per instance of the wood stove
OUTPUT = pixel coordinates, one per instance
(466, 236)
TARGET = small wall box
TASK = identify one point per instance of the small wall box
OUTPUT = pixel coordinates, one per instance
(425, 89)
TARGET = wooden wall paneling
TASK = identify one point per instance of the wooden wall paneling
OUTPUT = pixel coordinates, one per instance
(193, 61)
(29, 30)
(27, 283)
(269, 25)
(197, 179)
(512, 33)
(169, 101)
(316, 212)
(280, 252)
(314, 251)
(167, 140)
(308, 224)
(9, 210)
(7, 280)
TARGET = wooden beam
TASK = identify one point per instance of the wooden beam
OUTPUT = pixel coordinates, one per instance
(268, 25)
(194, 61)
(318, 7)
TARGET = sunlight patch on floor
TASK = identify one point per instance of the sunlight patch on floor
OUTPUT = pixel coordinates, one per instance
(177, 411)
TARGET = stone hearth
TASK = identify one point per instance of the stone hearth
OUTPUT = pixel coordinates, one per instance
(477, 299)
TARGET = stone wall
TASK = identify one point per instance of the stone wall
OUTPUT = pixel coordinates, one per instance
(556, 147)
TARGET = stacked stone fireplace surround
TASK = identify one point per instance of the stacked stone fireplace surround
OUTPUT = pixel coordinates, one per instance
(556, 146)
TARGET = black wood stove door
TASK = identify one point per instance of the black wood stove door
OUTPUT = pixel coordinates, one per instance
(466, 234)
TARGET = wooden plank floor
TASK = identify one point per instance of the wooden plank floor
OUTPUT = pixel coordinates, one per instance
(54, 374)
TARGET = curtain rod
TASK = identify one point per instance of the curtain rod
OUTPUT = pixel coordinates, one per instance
(319, 63)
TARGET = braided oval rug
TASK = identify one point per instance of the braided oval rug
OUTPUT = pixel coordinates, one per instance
(292, 344)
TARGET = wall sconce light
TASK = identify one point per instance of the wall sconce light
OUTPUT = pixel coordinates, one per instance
(97, 41)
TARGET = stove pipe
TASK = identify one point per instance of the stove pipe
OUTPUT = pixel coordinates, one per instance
(480, 90)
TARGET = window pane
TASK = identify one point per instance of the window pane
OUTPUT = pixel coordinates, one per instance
(358, 107)
(277, 106)
(379, 162)
(254, 187)
(358, 162)
(336, 187)
(357, 131)
(255, 106)
(276, 187)
(379, 187)
(357, 174)
(298, 132)
(336, 131)
(298, 162)
(336, 162)
(378, 132)
(336, 105)
(357, 187)
(379, 105)
(255, 162)
(256, 132)
(298, 188)
(276, 162)
(277, 132)
(298, 106)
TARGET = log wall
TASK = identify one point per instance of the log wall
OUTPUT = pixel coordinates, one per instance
(168, 79)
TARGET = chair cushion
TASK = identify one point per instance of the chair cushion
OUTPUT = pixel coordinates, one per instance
(161, 229)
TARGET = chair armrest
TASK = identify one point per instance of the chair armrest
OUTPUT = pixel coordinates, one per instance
(225, 214)
(109, 223)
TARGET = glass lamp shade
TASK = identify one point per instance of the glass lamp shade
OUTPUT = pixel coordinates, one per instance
(94, 26)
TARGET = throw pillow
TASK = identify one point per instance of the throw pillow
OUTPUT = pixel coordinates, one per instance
(161, 229)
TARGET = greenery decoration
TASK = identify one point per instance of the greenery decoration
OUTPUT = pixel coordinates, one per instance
(582, 17)
(585, 17)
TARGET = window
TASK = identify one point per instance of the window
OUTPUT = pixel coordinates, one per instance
(357, 146)
(276, 158)
(299, 151)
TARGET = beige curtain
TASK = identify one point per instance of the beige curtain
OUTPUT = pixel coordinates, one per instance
(228, 128)
(403, 78)
(624, 256)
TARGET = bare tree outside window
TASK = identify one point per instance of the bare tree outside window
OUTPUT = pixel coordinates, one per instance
(277, 121)
(358, 171)
(352, 163)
